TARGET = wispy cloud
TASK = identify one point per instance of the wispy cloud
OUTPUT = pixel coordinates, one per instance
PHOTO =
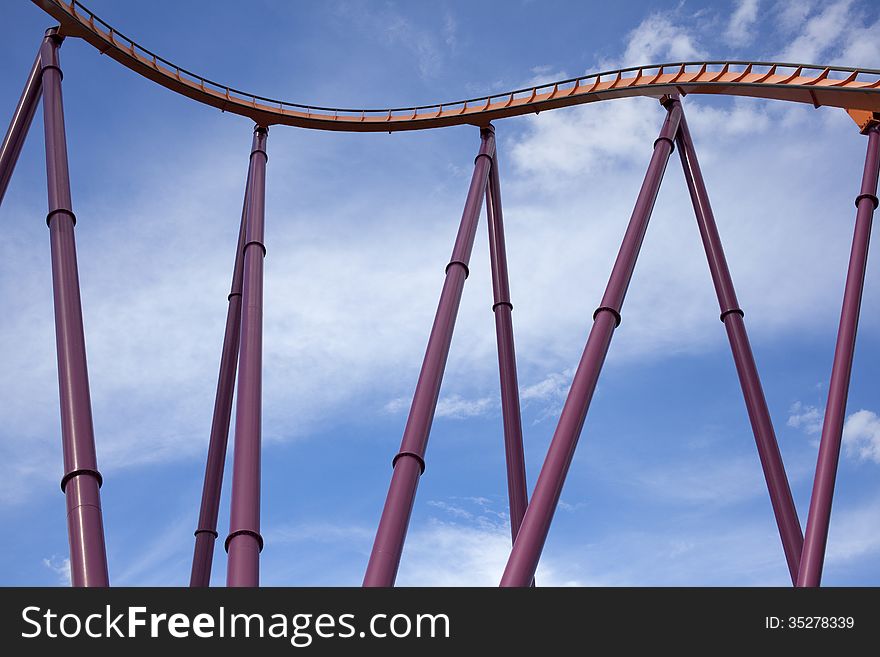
(451, 407)
(821, 34)
(427, 45)
(739, 28)
(861, 436)
(805, 417)
(661, 37)
(59, 566)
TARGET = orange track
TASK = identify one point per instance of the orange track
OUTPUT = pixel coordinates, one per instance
(852, 89)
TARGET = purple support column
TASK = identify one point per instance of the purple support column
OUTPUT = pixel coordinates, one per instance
(517, 490)
(409, 463)
(19, 126)
(81, 481)
(206, 534)
(732, 316)
(244, 542)
(813, 556)
(527, 548)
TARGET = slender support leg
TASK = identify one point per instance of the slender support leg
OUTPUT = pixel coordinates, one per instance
(244, 542)
(409, 463)
(527, 548)
(81, 481)
(732, 316)
(813, 557)
(206, 533)
(517, 490)
(19, 125)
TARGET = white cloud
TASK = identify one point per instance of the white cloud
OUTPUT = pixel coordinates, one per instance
(861, 46)
(553, 387)
(471, 550)
(861, 436)
(707, 481)
(739, 27)
(659, 39)
(791, 14)
(457, 407)
(820, 34)
(427, 46)
(853, 535)
(805, 417)
(60, 567)
(452, 407)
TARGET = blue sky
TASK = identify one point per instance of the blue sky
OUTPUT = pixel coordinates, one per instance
(665, 487)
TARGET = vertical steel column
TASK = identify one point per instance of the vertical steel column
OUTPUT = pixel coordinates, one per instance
(206, 533)
(517, 490)
(244, 542)
(409, 463)
(81, 481)
(732, 317)
(813, 557)
(523, 561)
(19, 125)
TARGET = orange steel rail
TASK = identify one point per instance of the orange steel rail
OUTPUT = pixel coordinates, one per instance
(852, 89)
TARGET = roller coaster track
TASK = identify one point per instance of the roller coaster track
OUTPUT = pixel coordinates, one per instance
(854, 89)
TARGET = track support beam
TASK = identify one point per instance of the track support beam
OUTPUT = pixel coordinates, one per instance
(82, 481)
(732, 317)
(502, 308)
(816, 537)
(527, 548)
(244, 542)
(206, 532)
(19, 125)
(409, 463)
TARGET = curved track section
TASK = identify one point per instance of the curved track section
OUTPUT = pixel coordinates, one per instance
(847, 88)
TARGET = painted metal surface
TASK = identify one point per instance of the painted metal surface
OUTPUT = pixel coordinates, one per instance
(856, 90)
(732, 316)
(523, 560)
(815, 85)
(19, 125)
(206, 532)
(502, 308)
(409, 463)
(816, 536)
(82, 480)
(245, 542)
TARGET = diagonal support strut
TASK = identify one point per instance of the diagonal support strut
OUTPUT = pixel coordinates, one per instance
(502, 308)
(732, 317)
(206, 532)
(816, 537)
(20, 125)
(523, 560)
(409, 463)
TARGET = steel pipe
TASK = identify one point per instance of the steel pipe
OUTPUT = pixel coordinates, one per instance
(19, 125)
(206, 532)
(409, 463)
(244, 542)
(517, 490)
(82, 480)
(732, 317)
(523, 560)
(816, 537)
